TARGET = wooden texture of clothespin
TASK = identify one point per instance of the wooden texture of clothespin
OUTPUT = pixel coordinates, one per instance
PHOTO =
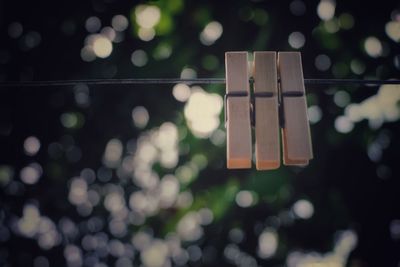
(267, 145)
(297, 148)
(237, 111)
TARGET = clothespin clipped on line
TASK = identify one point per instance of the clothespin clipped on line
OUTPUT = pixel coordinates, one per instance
(275, 107)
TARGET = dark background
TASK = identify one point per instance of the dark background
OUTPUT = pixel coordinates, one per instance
(352, 183)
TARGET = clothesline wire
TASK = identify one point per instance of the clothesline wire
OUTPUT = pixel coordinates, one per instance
(134, 81)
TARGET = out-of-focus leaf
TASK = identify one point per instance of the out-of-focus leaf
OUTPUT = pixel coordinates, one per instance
(166, 24)
(218, 199)
(328, 41)
(271, 185)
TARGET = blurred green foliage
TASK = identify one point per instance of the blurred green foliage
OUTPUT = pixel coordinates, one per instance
(147, 182)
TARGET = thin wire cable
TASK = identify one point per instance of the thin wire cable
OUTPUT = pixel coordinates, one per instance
(185, 81)
(115, 82)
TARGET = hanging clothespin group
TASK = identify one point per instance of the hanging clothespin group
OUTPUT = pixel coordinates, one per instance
(278, 104)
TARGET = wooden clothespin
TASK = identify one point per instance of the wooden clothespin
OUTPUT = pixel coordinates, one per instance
(237, 113)
(266, 111)
(297, 148)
